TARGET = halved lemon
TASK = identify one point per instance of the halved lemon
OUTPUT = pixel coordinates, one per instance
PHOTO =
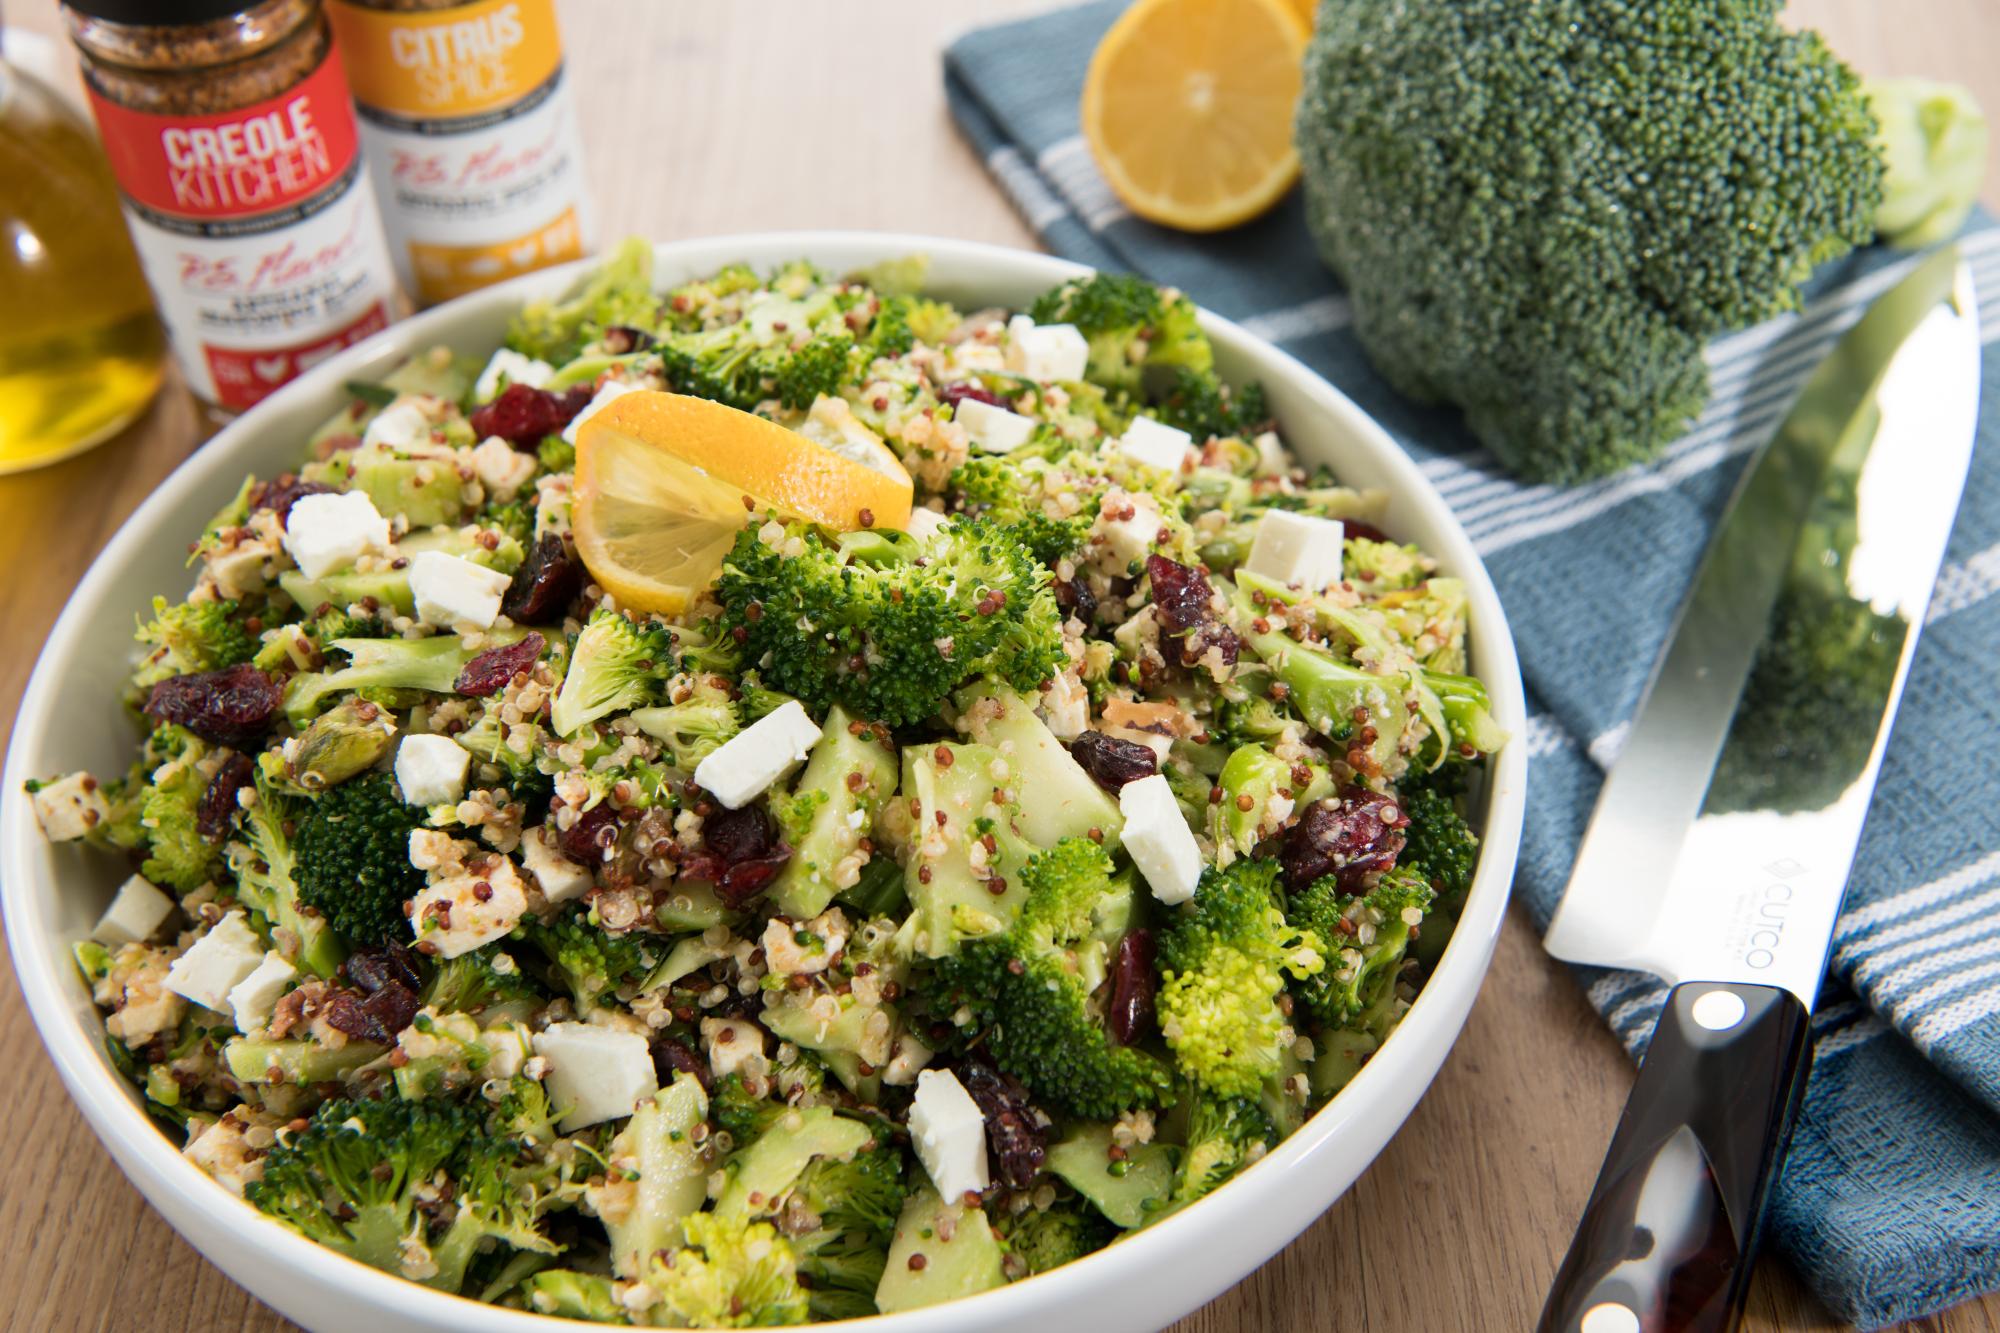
(664, 482)
(1188, 108)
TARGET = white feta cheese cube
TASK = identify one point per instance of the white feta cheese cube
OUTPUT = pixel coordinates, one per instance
(925, 523)
(516, 368)
(733, 1043)
(1158, 839)
(1066, 707)
(949, 1134)
(137, 910)
(1155, 444)
(431, 769)
(606, 392)
(1126, 529)
(1271, 460)
(475, 906)
(595, 1073)
(746, 765)
(450, 590)
(990, 429)
(252, 999)
(328, 532)
(1297, 549)
(910, 1058)
(398, 426)
(501, 468)
(69, 807)
(560, 878)
(1046, 352)
(212, 966)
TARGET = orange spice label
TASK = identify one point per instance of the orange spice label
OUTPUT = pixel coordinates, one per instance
(447, 64)
(445, 271)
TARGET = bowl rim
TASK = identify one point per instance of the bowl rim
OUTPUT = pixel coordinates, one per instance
(146, 1154)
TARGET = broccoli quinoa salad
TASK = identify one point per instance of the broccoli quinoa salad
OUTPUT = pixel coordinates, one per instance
(916, 910)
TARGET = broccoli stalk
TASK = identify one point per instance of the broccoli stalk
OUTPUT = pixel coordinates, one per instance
(432, 665)
(568, 1294)
(829, 813)
(615, 664)
(1551, 258)
(1258, 796)
(962, 876)
(348, 739)
(1030, 987)
(1058, 798)
(1223, 964)
(663, 1177)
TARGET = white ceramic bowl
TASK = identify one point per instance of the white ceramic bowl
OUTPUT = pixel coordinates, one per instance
(69, 719)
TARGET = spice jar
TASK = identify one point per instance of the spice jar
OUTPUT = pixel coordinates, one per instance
(471, 136)
(231, 135)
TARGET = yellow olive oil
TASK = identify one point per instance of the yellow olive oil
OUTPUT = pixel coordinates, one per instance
(81, 352)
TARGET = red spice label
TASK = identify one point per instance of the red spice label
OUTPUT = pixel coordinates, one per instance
(245, 376)
(255, 159)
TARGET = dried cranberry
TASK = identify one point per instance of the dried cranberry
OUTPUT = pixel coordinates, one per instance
(1075, 597)
(1131, 1011)
(217, 810)
(232, 706)
(673, 1056)
(522, 415)
(1182, 596)
(589, 841)
(545, 584)
(620, 339)
(281, 493)
(492, 669)
(1013, 1126)
(1211, 635)
(1113, 761)
(374, 966)
(1353, 528)
(1351, 837)
(951, 395)
(376, 1017)
(740, 854)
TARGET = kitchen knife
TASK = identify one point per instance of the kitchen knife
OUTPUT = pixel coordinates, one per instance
(1720, 847)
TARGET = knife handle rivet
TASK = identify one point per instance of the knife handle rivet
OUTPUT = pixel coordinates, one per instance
(1609, 1317)
(1718, 1011)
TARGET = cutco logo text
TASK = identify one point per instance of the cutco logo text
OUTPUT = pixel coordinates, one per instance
(1770, 909)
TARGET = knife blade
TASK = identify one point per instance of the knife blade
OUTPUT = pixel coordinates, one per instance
(1719, 850)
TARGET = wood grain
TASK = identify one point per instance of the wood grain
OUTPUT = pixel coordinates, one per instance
(761, 114)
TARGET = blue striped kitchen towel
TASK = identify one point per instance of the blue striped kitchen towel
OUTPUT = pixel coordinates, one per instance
(1890, 1206)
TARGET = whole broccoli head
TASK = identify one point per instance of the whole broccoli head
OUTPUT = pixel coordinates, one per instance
(1223, 965)
(352, 859)
(584, 958)
(1541, 213)
(891, 641)
(1030, 988)
(363, 1178)
(1367, 938)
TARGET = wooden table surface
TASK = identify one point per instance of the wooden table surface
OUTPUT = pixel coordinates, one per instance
(759, 114)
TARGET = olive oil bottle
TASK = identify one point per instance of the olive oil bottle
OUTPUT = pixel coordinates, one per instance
(81, 352)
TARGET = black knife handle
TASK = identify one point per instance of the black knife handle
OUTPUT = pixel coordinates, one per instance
(1666, 1242)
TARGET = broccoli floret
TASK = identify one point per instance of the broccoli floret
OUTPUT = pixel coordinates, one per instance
(1439, 845)
(1030, 988)
(190, 637)
(1223, 964)
(857, 1202)
(432, 665)
(695, 727)
(1429, 619)
(177, 853)
(891, 641)
(588, 961)
(816, 369)
(1046, 1238)
(473, 981)
(1198, 402)
(615, 664)
(266, 866)
(1367, 937)
(358, 1177)
(618, 292)
(1933, 142)
(742, 1114)
(1379, 567)
(782, 348)
(732, 1273)
(1541, 213)
(352, 859)
(1224, 1135)
(1132, 327)
(904, 321)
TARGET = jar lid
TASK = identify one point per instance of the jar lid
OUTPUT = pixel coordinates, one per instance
(159, 13)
